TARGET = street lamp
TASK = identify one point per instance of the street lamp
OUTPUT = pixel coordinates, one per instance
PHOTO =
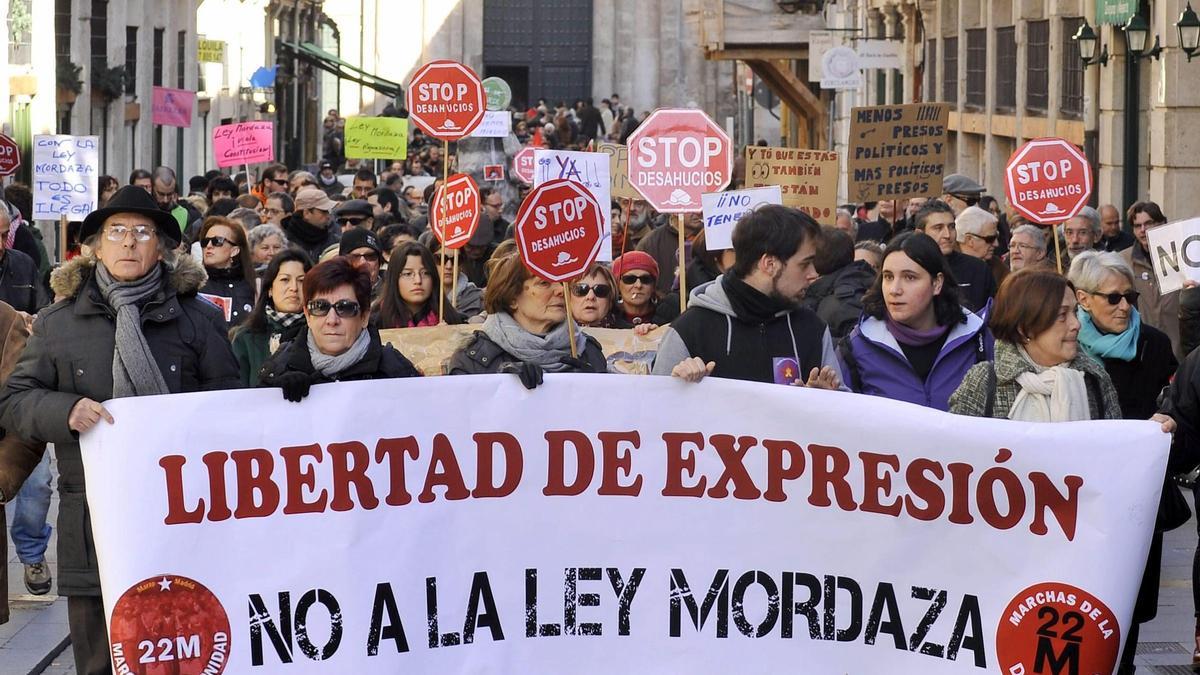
(1189, 31)
(1087, 40)
(1136, 34)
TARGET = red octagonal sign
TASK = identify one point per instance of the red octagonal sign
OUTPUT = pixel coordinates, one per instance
(455, 211)
(559, 229)
(675, 156)
(1048, 180)
(523, 164)
(10, 156)
(446, 99)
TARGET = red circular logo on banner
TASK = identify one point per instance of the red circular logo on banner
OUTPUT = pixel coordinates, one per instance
(1057, 628)
(559, 230)
(446, 99)
(523, 165)
(454, 214)
(1048, 180)
(675, 156)
(169, 624)
(10, 156)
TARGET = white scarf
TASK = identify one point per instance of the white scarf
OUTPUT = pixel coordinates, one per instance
(1057, 394)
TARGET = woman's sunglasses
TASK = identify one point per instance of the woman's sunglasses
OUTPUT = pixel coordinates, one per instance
(601, 290)
(215, 242)
(1115, 298)
(344, 308)
(631, 279)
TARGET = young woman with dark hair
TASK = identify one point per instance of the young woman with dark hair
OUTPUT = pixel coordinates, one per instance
(915, 341)
(411, 291)
(227, 259)
(277, 316)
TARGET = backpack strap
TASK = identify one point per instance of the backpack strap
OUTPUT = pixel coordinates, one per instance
(989, 404)
(847, 355)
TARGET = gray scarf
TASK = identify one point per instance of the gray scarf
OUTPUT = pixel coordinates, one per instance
(330, 366)
(547, 351)
(135, 373)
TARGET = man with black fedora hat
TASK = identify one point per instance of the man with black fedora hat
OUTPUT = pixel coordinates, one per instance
(130, 324)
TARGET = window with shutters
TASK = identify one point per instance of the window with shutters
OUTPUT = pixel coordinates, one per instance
(977, 68)
(931, 52)
(950, 69)
(1006, 69)
(1072, 71)
(1037, 97)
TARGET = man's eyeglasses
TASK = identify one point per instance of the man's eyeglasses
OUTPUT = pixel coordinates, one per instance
(119, 232)
(1115, 298)
(215, 242)
(348, 220)
(601, 290)
(346, 309)
(277, 181)
(989, 240)
(631, 279)
(371, 257)
(271, 212)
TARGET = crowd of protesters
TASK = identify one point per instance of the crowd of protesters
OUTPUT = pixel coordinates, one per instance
(287, 281)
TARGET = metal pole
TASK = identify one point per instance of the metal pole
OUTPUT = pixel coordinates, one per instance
(1129, 176)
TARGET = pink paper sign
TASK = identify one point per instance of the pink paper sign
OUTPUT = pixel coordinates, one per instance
(173, 107)
(244, 143)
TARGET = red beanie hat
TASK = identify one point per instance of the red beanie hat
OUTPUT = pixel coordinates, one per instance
(635, 260)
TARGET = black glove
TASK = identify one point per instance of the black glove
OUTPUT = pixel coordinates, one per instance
(576, 364)
(295, 385)
(530, 373)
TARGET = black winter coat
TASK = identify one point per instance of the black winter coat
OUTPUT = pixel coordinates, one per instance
(482, 356)
(837, 297)
(229, 283)
(19, 281)
(976, 284)
(379, 363)
(306, 238)
(70, 357)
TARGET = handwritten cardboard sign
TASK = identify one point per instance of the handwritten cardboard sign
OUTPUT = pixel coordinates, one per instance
(1175, 253)
(376, 137)
(65, 170)
(173, 107)
(808, 179)
(618, 168)
(495, 124)
(244, 143)
(589, 169)
(722, 210)
(897, 151)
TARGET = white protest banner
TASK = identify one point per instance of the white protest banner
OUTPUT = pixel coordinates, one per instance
(738, 528)
(65, 172)
(589, 169)
(495, 124)
(722, 210)
(1175, 253)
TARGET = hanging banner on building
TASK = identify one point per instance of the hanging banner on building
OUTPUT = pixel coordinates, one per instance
(65, 173)
(173, 107)
(742, 527)
(808, 179)
(589, 169)
(897, 151)
(376, 137)
(495, 124)
(210, 51)
(722, 210)
(244, 143)
(1175, 253)
(618, 170)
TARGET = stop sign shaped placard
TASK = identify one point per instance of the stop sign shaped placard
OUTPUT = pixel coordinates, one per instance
(446, 99)
(559, 230)
(454, 214)
(10, 156)
(1048, 180)
(523, 164)
(675, 156)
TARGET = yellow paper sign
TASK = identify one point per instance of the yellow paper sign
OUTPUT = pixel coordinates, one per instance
(376, 137)
(618, 171)
(210, 51)
(807, 178)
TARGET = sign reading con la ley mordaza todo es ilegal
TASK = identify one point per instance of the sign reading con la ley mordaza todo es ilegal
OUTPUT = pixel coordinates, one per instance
(65, 173)
(559, 230)
(897, 151)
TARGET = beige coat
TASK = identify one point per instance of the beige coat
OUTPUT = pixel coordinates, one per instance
(17, 458)
(1160, 311)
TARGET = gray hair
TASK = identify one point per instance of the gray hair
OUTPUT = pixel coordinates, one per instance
(853, 222)
(870, 246)
(249, 218)
(1090, 268)
(265, 231)
(1035, 233)
(1092, 216)
(972, 221)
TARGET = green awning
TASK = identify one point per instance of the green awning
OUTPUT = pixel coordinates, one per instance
(330, 63)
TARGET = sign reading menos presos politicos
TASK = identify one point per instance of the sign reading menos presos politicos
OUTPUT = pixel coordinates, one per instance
(65, 174)
(744, 528)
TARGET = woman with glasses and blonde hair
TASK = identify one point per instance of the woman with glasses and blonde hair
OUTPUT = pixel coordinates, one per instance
(337, 342)
(412, 290)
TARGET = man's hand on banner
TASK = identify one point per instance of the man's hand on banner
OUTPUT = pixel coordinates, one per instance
(693, 369)
(1167, 422)
(85, 414)
(530, 373)
(821, 378)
